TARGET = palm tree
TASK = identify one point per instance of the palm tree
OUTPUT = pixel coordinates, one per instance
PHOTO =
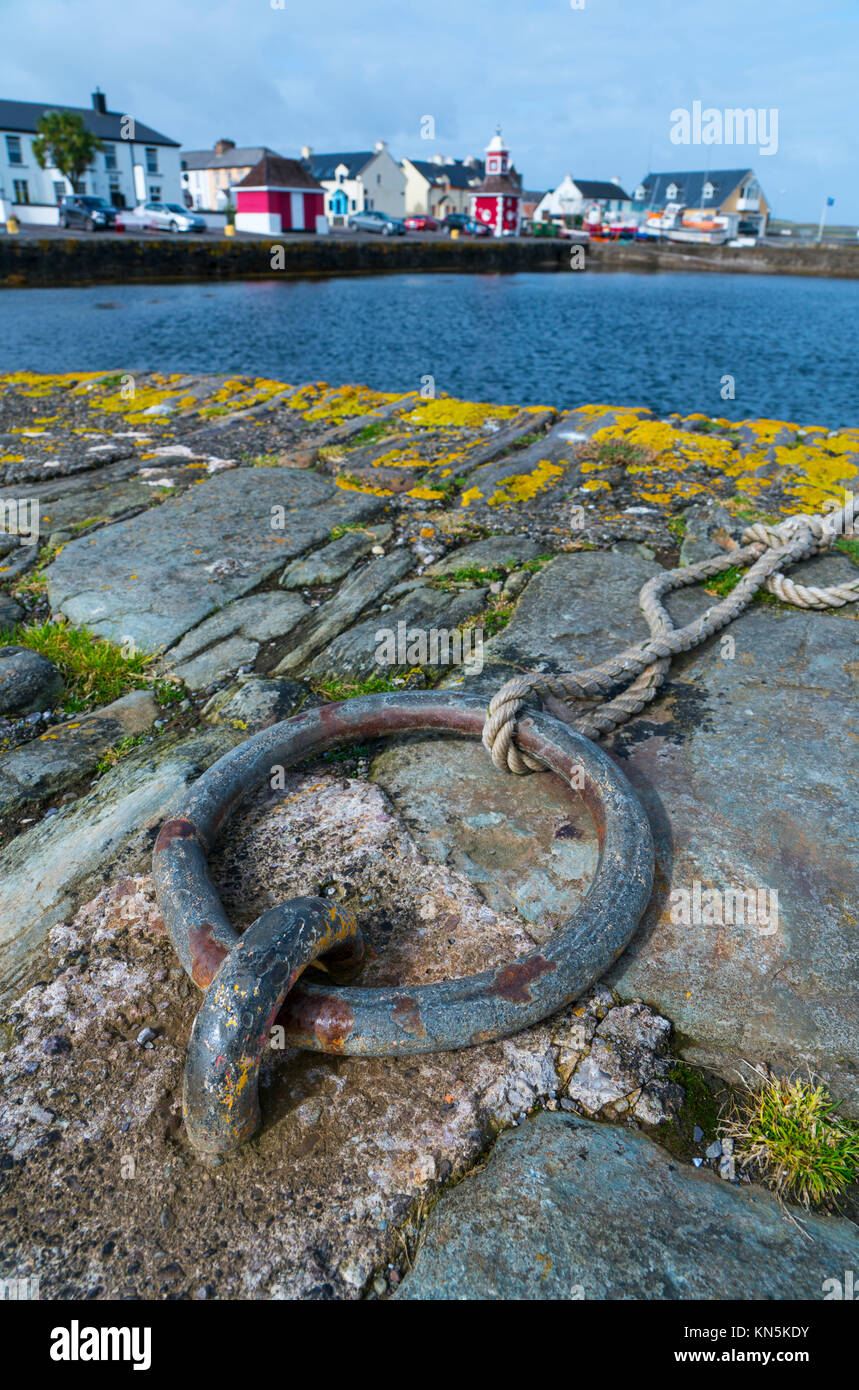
(63, 142)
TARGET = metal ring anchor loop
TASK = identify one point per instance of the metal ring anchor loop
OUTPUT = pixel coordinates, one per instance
(260, 966)
(220, 1093)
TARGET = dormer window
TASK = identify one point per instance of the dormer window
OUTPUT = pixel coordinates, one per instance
(709, 191)
(672, 192)
(640, 193)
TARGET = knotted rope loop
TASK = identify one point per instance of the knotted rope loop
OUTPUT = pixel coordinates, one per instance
(642, 669)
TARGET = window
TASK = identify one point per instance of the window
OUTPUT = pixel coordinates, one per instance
(640, 193)
(155, 192)
(671, 192)
(22, 191)
(13, 149)
(59, 189)
(708, 191)
(110, 156)
(151, 160)
(378, 178)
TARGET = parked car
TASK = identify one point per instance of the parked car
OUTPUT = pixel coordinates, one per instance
(373, 221)
(82, 210)
(469, 227)
(455, 220)
(422, 222)
(170, 217)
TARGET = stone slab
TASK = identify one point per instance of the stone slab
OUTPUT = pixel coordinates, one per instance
(573, 1210)
(153, 577)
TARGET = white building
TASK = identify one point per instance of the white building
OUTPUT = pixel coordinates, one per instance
(605, 200)
(135, 164)
(360, 182)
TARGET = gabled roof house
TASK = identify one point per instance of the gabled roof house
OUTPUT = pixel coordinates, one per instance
(358, 181)
(716, 190)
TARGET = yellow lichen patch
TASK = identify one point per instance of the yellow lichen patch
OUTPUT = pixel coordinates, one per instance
(847, 442)
(353, 485)
(765, 431)
(400, 458)
(471, 495)
(447, 410)
(349, 401)
(43, 383)
(308, 395)
(521, 487)
(594, 485)
(240, 393)
(426, 494)
(663, 498)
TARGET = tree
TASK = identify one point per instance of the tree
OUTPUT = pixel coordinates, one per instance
(64, 143)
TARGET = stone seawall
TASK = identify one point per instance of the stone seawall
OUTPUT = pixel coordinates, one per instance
(100, 259)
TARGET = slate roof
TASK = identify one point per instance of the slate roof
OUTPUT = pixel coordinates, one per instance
(273, 171)
(690, 184)
(231, 159)
(599, 188)
(24, 115)
(459, 174)
(323, 166)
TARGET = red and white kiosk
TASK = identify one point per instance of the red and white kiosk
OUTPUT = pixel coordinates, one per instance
(497, 201)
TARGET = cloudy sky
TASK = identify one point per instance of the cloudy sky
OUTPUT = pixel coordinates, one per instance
(587, 90)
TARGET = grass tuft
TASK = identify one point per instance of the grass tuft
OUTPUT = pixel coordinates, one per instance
(850, 547)
(789, 1132)
(95, 670)
(337, 689)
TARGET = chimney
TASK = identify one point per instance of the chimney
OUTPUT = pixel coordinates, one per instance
(221, 146)
(381, 145)
(307, 152)
(99, 101)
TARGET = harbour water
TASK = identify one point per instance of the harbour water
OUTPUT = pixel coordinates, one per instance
(786, 346)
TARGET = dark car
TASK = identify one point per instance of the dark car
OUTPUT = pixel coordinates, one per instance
(81, 210)
(373, 221)
(465, 226)
(472, 228)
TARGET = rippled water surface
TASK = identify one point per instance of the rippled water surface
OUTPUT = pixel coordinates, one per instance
(662, 340)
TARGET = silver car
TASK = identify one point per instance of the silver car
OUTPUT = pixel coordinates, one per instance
(170, 217)
(373, 221)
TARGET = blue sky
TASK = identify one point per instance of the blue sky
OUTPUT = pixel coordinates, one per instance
(589, 90)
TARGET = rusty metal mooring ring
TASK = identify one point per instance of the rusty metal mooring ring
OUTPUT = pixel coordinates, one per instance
(249, 979)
